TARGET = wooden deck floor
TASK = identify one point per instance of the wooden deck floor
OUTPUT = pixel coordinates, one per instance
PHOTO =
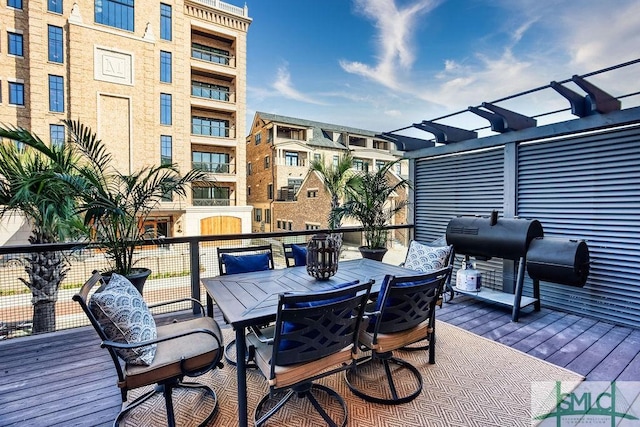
(66, 379)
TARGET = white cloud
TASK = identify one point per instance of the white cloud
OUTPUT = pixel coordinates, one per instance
(285, 88)
(394, 39)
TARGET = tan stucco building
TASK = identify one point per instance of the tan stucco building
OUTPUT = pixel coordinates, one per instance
(157, 81)
(280, 149)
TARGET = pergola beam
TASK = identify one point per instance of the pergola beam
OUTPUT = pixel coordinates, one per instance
(503, 120)
(445, 134)
(598, 100)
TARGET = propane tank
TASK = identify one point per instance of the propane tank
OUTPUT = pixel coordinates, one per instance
(468, 278)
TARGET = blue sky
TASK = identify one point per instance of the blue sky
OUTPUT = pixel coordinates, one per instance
(384, 64)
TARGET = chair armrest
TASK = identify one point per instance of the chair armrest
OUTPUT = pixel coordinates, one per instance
(369, 314)
(261, 337)
(122, 345)
(163, 303)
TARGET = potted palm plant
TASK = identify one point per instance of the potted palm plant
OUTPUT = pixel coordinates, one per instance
(114, 204)
(370, 200)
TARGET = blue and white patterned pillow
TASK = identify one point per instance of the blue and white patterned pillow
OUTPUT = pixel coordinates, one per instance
(125, 318)
(425, 258)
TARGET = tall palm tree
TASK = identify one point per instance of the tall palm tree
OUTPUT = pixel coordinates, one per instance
(336, 179)
(28, 184)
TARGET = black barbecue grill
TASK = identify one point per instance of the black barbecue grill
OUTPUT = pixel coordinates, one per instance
(555, 260)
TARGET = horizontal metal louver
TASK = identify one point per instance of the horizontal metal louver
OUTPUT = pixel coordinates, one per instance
(588, 187)
(465, 184)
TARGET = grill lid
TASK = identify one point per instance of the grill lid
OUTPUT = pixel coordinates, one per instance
(487, 237)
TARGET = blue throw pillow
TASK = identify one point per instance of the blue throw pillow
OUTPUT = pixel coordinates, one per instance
(292, 326)
(245, 263)
(299, 255)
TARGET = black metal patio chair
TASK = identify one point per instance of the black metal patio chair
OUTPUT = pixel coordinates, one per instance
(315, 336)
(243, 259)
(403, 313)
(144, 354)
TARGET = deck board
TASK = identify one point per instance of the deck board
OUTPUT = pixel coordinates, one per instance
(39, 390)
(561, 339)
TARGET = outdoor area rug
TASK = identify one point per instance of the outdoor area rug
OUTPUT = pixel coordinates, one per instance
(474, 382)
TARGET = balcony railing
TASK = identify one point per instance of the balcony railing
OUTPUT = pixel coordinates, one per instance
(206, 91)
(177, 265)
(214, 202)
(217, 4)
(221, 168)
(209, 56)
(206, 130)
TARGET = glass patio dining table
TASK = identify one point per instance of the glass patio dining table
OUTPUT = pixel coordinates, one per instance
(249, 299)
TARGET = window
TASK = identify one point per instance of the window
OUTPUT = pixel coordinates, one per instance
(360, 165)
(249, 169)
(290, 225)
(56, 94)
(211, 162)
(165, 22)
(279, 224)
(16, 93)
(210, 54)
(17, 4)
(54, 6)
(210, 91)
(312, 227)
(270, 191)
(398, 169)
(312, 194)
(267, 216)
(56, 135)
(267, 162)
(258, 215)
(165, 109)
(55, 44)
(379, 164)
(258, 138)
(248, 191)
(166, 148)
(270, 135)
(336, 159)
(317, 157)
(290, 158)
(165, 66)
(15, 44)
(209, 127)
(115, 13)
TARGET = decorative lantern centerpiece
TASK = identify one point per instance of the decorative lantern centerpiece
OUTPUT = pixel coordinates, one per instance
(323, 253)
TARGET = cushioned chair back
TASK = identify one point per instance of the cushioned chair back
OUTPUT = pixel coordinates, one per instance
(295, 257)
(82, 297)
(311, 326)
(249, 263)
(407, 301)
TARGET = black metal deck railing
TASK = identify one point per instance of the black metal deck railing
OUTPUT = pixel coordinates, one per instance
(177, 265)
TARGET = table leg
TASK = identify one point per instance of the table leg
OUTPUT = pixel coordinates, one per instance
(241, 368)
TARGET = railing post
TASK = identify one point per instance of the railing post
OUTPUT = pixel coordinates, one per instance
(194, 251)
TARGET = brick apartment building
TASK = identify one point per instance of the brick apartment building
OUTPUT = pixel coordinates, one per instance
(282, 191)
(157, 81)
